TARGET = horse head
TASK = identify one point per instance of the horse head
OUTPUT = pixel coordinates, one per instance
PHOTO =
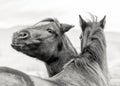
(46, 41)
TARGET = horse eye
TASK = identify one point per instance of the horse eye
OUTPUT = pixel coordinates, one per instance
(50, 30)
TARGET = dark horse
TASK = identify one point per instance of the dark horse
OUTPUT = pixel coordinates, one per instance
(90, 67)
(46, 41)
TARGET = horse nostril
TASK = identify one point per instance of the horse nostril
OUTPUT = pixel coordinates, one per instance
(23, 35)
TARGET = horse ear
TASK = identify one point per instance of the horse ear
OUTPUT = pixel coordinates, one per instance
(102, 22)
(66, 27)
(83, 23)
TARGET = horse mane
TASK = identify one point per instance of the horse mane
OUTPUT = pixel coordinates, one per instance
(93, 56)
(49, 20)
(98, 35)
(94, 18)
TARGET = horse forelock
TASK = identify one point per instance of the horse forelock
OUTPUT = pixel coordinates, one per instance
(52, 20)
(93, 19)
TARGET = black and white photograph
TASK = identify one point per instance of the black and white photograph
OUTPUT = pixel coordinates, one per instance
(59, 43)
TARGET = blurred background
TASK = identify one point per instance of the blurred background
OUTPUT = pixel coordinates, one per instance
(17, 13)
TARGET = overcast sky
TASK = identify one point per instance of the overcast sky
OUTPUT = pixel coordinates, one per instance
(22, 12)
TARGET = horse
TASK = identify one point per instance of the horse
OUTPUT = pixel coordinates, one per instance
(96, 35)
(46, 41)
(89, 68)
(12, 77)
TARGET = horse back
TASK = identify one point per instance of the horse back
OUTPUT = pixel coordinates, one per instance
(12, 77)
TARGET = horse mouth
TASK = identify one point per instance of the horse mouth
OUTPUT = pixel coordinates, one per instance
(25, 46)
(18, 46)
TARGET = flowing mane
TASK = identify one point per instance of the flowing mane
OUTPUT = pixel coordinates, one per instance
(95, 41)
(93, 46)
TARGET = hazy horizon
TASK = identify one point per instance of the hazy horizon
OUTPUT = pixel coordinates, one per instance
(25, 12)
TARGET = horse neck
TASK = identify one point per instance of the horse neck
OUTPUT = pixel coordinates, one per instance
(97, 50)
(66, 54)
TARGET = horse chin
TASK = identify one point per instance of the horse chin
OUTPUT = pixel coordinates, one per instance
(17, 47)
(25, 47)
